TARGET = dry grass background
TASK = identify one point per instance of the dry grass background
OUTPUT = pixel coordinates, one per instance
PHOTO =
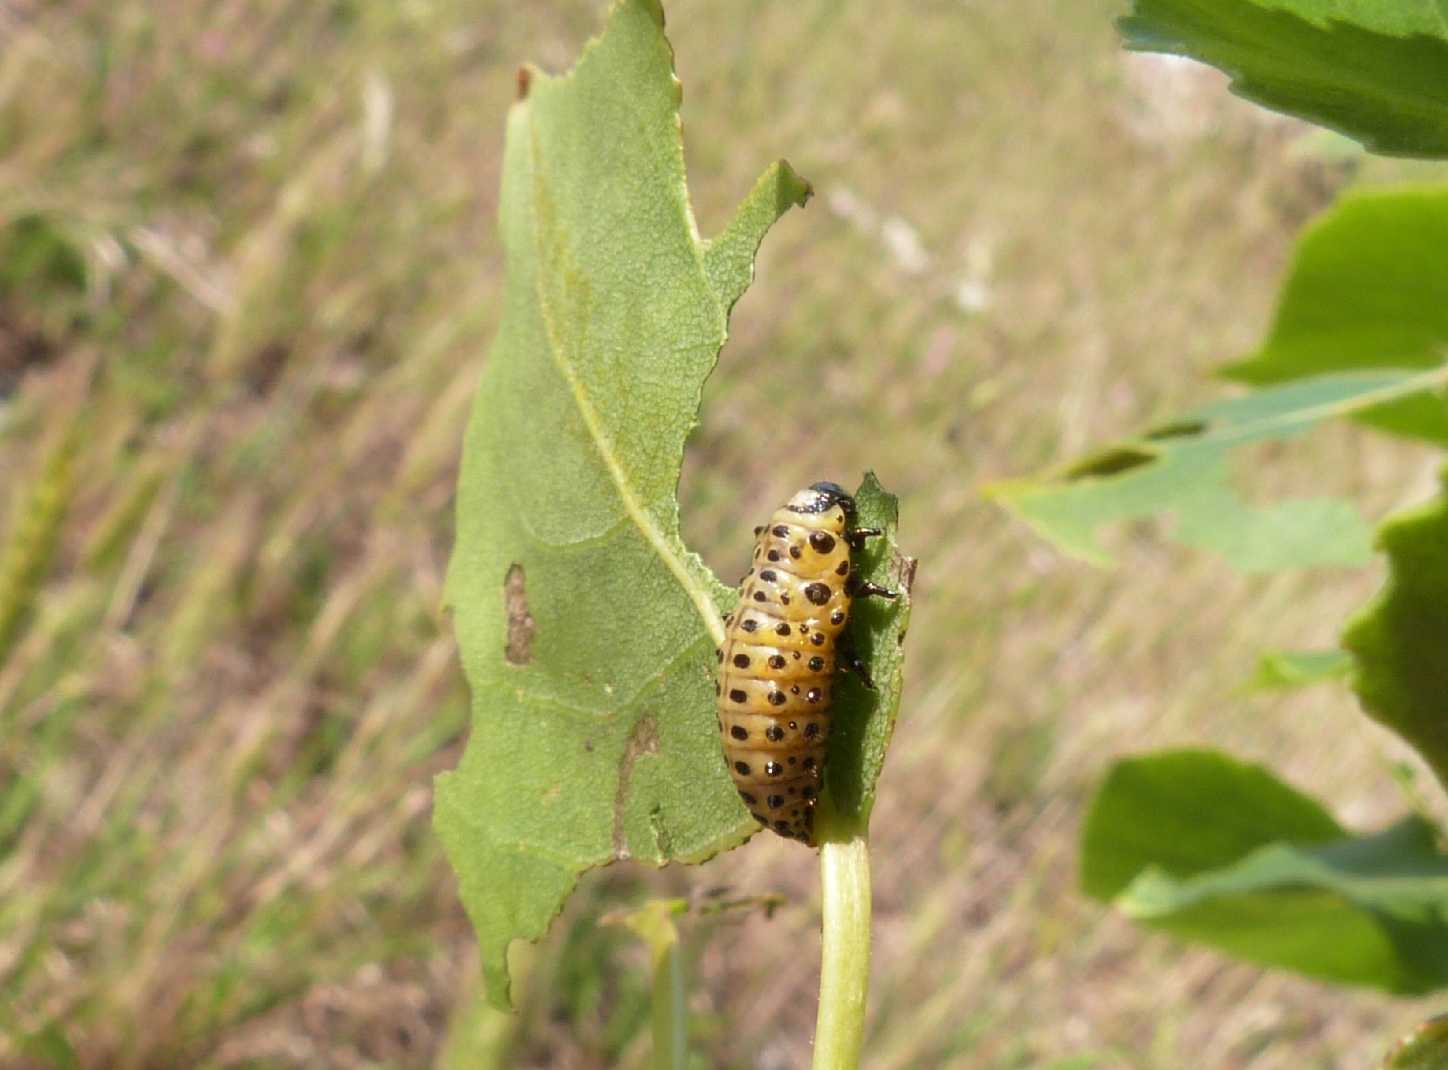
(247, 277)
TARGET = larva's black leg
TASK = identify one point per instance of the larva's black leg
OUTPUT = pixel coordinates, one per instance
(850, 661)
(858, 588)
(856, 538)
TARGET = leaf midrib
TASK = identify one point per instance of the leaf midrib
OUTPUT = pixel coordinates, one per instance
(633, 506)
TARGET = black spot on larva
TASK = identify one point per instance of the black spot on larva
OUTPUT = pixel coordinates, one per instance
(793, 725)
(774, 733)
(792, 759)
(814, 694)
(780, 531)
(842, 569)
(773, 555)
(794, 551)
(719, 654)
(809, 791)
(742, 768)
(776, 661)
(758, 528)
(822, 541)
(816, 664)
(811, 730)
(759, 596)
(749, 625)
(738, 731)
(776, 698)
(837, 617)
(808, 763)
(768, 575)
(818, 639)
(774, 802)
(804, 629)
(741, 661)
(728, 618)
(783, 827)
(750, 800)
(796, 655)
(773, 769)
(716, 689)
(818, 593)
(737, 695)
(781, 629)
(784, 599)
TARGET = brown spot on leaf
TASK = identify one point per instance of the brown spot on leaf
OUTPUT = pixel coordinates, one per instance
(521, 626)
(525, 81)
(643, 740)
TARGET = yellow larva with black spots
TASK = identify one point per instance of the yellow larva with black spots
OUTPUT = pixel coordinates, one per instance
(782, 647)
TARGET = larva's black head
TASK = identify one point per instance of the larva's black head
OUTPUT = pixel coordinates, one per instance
(820, 497)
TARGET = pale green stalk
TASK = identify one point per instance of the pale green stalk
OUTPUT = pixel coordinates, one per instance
(845, 945)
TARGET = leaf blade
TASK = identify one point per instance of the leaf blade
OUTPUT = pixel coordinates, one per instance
(1371, 69)
(1184, 470)
(1397, 642)
(585, 625)
(1367, 289)
(1220, 852)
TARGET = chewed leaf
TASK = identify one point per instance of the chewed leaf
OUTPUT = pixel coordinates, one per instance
(1183, 469)
(1367, 291)
(1399, 644)
(1372, 69)
(865, 720)
(586, 627)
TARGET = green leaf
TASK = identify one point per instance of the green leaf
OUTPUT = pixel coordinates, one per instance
(1426, 1048)
(1183, 468)
(1282, 670)
(1220, 852)
(1372, 69)
(863, 720)
(1399, 643)
(1367, 290)
(586, 628)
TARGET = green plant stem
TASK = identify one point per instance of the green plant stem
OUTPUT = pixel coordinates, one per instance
(845, 950)
(671, 1017)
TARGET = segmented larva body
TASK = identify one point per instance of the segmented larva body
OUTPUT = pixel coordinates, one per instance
(777, 664)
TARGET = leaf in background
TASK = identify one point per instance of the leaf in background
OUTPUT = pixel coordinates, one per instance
(1426, 1048)
(1372, 69)
(1367, 290)
(1282, 670)
(1399, 643)
(1183, 468)
(1220, 852)
(586, 628)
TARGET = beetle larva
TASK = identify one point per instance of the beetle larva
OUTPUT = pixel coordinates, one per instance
(781, 649)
